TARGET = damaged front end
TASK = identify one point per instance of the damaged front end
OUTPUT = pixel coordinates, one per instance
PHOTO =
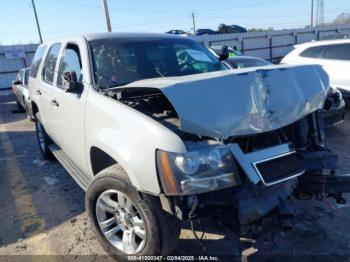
(253, 138)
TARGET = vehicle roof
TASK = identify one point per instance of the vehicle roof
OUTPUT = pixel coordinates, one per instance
(97, 36)
(325, 42)
(107, 35)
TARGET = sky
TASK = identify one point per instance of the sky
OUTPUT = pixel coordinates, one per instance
(67, 17)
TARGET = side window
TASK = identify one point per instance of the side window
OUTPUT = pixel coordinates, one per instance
(314, 52)
(70, 61)
(37, 60)
(50, 63)
(20, 76)
(338, 52)
(26, 76)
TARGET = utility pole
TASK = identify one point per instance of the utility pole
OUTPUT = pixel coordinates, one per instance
(37, 22)
(108, 21)
(319, 12)
(194, 22)
(312, 13)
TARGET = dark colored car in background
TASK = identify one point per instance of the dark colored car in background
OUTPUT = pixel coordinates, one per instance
(206, 31)
(231, 29)
(177, 32)
(246, 61)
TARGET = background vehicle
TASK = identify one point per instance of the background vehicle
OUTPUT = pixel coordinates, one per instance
(246, 61)
(230, 29)
(232, 51)
(206, 32)
(20, 89)
(157, 130)
(333, 55)
(177, 32)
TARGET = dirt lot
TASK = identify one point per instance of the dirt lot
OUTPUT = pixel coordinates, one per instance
(42, 209)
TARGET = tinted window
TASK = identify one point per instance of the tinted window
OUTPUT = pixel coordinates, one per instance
(313, 52)
(339, 52)
(70, 62)
(119, 62)
(37, 60)
(50, 63)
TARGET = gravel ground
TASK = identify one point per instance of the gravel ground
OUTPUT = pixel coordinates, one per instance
(42, 209)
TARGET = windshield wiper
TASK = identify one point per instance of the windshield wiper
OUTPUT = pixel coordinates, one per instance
(114, 85)
(99, 78)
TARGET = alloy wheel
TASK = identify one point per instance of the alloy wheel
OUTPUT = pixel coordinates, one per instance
(121, 222)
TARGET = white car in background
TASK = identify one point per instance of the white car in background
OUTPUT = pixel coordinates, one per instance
(333, 55)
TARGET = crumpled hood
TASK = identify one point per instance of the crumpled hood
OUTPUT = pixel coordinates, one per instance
(246, 101)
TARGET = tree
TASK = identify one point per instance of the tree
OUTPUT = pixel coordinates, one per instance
(343, 18)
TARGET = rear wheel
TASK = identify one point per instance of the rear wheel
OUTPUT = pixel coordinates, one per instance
(44, 141)
(125, 223)
(19, 106)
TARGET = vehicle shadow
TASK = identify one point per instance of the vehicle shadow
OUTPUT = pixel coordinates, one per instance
(217, 240)
(35, 194)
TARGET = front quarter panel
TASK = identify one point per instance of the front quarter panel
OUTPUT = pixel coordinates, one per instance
(130, 137)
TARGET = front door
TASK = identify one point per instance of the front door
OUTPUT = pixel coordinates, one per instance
(69, 108)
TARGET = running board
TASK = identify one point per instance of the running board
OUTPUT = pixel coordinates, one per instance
(72, 169)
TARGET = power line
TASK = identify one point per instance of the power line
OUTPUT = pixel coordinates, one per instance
(166, 10)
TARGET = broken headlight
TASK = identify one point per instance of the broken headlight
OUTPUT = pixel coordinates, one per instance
(204, 170)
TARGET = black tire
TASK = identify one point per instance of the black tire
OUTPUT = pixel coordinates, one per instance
(26, 109)
(162, 229)
(44, 141)
(19, 106)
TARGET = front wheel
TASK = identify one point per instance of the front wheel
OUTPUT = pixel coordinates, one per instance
(125, 223)
(44, 141)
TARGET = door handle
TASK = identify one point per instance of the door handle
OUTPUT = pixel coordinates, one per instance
(55, 103)
(38, 92)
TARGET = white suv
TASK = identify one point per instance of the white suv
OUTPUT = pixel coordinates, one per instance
(333, 55)
(157, 129)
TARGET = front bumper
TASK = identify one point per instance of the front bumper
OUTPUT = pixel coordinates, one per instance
(253, 198)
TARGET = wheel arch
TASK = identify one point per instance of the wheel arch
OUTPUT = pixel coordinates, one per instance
(100, 160)
(34, 109)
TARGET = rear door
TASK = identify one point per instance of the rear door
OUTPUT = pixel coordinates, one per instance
(46, 88)
(69, 108)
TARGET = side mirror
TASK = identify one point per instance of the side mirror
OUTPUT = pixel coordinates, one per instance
(224, 53)
(71, 83)
(17, 82)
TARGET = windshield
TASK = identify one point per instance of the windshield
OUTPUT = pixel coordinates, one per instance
(118, 61)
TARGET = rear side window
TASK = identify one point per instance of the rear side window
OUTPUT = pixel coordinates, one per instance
(26, 77)
(50, 63)
(37, 60)
(314, 52)
(338, 52)
(20, 76)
